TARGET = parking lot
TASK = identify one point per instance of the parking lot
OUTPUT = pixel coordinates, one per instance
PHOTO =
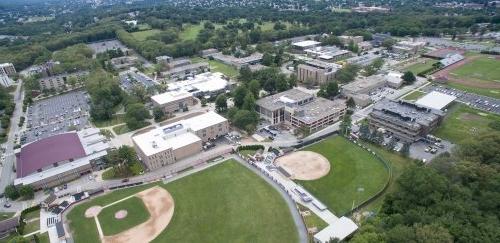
(381, 93)
(473, 100)
(277, 133)
(426, 151)
(56, 115)
(103, 46)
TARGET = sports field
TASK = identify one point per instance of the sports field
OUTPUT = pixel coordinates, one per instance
(143, 35)
(217, 66)
(225, 203)
(136, 214)
(422, 65)
(484, 68)
(477, 74)
(355, 175)
(462, 122)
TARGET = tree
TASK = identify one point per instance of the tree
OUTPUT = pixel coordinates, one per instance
(353, 47)
(19, 239)
(26, 192)
(158, 114)
(345, 125)
(249, 102)
(350, 103)
(246, 120)
(332, 89)
(254, 88)
(135, 115)
(267, 59)
(245, 74)
(408, 78)
(388, 43)
(364, 131)
(11, 192)
(239, 95)
(347, 73)
(221, 103)
(293, 80)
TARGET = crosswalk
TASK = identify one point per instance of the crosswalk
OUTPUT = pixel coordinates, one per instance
(52, 221)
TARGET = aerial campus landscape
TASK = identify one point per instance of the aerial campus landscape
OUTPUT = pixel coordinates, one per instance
(249, 121)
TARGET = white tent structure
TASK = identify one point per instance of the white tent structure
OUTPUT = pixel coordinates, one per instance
(436, 100)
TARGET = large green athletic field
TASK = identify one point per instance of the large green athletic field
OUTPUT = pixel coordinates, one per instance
(483, 68)
(137, 214)
(225, 203)
(355, 175)
(462, 122)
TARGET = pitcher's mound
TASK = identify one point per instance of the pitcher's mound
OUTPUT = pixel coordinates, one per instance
(304, 165)
(93, 211)
(121, 214)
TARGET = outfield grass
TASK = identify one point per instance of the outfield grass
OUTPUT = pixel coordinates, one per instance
(420, 66)
(137, 214)
(226, 203)
(481, 69)
(143, 35)
(217, 66)
(463, 122)
(355, 175)
(414, 95)
(398, 165)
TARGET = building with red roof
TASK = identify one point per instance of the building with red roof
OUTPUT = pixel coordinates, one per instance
(60, 158)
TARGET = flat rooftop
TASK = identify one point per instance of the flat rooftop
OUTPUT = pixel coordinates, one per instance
(436, 100)
(205, 82)
(319, 108)
(279, 100)
(407, 112)
(176, 135)
(170, 96)
(306, 43)
(340, 229)
(361, 84)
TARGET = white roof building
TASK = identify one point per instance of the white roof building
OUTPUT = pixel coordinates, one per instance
(394, 79)
(176, 135)
(340, 229)
(202, 83)
(171, 96)
(5, 81)
(306, 44)
(436, 100)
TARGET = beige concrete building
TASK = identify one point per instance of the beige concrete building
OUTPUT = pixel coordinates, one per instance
(170, 143)
(7, 69)
(317, 72)
(173, 101)
(346, 39)
(300, 109)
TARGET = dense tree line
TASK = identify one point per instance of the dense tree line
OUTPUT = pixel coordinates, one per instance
(454, 199)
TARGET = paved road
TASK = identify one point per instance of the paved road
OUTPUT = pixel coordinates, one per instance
(7, 174)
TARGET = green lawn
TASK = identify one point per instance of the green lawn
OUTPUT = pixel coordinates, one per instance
(226, 203)
(462, 122)
(190, 32)
(398, 164)
(44, 238)
(481, 69)
(355, 175)
(121, 129)
(137, 214)
(135, 168)
(247, 152)
(143, 35)
(117, 119)
(6, 215)
(421, 66)
(31, 227)
(143, 27)
(217, 66)
(312, 220)
(414, 95)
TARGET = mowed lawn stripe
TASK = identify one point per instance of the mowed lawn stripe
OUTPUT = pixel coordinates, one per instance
(355, 175)
(228, 203)
(136, 214)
